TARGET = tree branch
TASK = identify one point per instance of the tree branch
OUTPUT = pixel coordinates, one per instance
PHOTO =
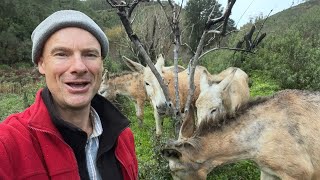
(194, 60)
(224, 48)
(124, 17)
(174, 24)
(189, 47)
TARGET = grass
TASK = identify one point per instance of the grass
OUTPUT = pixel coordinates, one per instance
(153, 166)
(148, 145)
(9, 104)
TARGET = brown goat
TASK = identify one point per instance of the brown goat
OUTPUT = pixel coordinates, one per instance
(279, 133)
(150, 82)
(129, 84)
(155, 93)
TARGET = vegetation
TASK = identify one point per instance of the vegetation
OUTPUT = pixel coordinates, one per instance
(19, 18)
(151, 165)
(289, 54)
(287, 58)
(197, 12)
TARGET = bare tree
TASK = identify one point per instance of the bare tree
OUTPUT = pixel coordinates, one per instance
(174, 24)
(152, 27)
(174, 21)
(221, 31)
(125, 11)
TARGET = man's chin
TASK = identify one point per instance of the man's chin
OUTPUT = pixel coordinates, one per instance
(78, 102)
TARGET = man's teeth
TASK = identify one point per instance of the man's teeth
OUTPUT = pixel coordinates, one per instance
(77, 85)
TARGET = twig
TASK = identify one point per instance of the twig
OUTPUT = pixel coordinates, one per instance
(224, 48)
(124, 17)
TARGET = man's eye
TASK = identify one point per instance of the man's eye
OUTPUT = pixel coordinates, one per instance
(61, 54)
(91, 55)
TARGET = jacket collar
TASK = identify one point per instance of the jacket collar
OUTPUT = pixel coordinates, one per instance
(45, 118)
(112, 120)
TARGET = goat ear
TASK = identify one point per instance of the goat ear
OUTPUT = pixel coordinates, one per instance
(180, 68)
(171, 153)
(105, 74)
(227, 80)
(204, 84)
(188, 125)
(171, 68)
(160, 63)
(108, 76)
(134, 66)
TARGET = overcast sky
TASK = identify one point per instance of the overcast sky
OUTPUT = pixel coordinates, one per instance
(243, 10)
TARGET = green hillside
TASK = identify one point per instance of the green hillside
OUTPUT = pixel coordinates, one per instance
(304, 17)
(289, 54)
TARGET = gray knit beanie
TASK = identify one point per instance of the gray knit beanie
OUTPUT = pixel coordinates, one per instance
(62, 19)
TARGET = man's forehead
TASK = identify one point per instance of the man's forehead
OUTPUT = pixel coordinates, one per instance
(68, 37)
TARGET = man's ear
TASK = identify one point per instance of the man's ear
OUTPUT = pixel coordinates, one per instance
(41, 66)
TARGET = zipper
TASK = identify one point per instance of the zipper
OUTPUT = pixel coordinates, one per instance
(44, 131)
(48, 132)
(53, 134)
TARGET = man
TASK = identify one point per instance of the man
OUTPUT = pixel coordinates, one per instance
(69, 132)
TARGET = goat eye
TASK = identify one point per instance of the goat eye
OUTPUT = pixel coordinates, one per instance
(147, 84)
(213, 110)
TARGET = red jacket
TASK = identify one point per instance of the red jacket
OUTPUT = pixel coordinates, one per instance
(31, 147)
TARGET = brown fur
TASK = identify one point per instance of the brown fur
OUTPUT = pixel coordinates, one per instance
(153, 88)
(279, 133)
(183, 79)
(184, 85)
(222, 98)
(225, 120)
(129, 84)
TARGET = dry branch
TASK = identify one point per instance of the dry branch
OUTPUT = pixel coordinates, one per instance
(125, 12)
(194, 60)
(174, 21)
(174, 25)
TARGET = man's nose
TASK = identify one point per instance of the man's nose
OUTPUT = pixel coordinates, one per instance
(78, 65)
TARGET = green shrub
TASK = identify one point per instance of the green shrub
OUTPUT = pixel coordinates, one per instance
(262, 84)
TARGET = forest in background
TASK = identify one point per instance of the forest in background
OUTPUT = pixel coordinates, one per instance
(287, 58)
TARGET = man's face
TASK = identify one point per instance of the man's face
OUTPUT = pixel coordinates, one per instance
(72, 64)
